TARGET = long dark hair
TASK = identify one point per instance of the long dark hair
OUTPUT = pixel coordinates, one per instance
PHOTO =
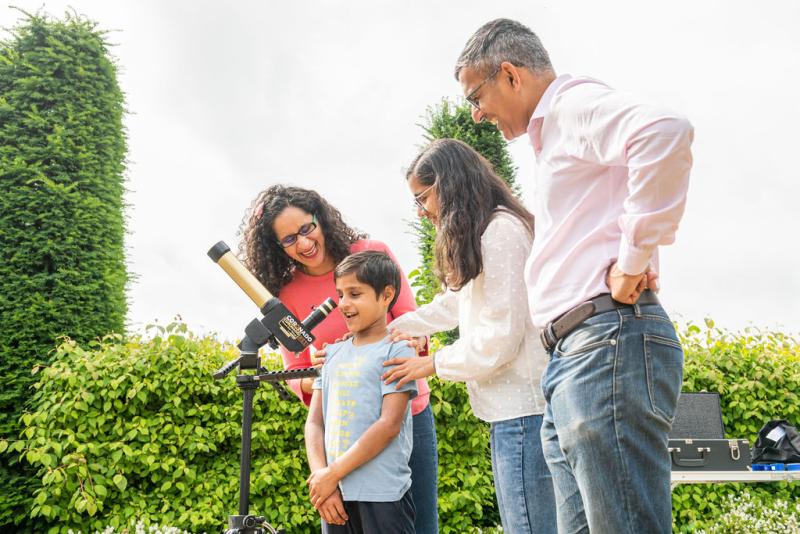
(259, 249)
(469, 193)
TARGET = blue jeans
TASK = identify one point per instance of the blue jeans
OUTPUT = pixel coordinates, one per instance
(521, 479)
(424, 464)
(611, 387)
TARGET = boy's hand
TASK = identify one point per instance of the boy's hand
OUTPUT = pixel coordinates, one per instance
(321, 484)
(332, 509)
(407, 370)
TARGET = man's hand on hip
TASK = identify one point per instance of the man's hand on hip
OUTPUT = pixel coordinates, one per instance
(626, 288)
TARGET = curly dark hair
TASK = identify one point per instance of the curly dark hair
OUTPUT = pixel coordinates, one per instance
(259, 249)
(469, 193)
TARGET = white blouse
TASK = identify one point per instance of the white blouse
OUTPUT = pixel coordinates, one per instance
(498, 353)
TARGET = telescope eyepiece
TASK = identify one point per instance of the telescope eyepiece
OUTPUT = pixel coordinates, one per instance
(319, 314)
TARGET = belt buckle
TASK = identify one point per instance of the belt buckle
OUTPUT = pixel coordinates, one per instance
(546, 335)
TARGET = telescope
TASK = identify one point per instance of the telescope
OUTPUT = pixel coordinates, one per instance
(278, 326)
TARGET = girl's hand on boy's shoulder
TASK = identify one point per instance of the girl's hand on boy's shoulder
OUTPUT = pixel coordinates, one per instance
(416, 343)
(407, 370)
(332, 509)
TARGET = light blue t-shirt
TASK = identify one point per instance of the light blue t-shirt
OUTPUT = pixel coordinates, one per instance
(352, 394)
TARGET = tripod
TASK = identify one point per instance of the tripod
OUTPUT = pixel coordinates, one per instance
(244, 522)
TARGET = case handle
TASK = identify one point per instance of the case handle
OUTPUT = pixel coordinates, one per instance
(690, 462)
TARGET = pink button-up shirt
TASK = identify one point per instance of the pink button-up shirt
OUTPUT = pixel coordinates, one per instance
(611, 180)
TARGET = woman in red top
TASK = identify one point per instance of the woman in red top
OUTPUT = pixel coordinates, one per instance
(292, 239)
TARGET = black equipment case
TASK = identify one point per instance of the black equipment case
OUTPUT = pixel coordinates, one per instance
(710, 454)
(697, 439)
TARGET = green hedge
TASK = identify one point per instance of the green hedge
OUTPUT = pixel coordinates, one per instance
(62, 158)
(129, 428)
(757, 374)
(466, 487)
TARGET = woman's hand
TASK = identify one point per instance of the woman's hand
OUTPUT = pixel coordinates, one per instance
(307, 385)
(407, 370)
(417, 343)
(317, 360)
(321, 484)
(345, 337)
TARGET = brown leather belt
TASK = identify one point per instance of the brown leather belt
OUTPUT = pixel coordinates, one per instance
(555, 330)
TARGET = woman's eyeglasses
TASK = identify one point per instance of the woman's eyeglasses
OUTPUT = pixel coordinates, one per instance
(420, 202)
(304, 230)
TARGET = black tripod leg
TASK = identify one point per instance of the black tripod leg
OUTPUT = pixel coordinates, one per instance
(248, 390)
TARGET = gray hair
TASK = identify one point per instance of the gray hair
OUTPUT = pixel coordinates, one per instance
(503, 40)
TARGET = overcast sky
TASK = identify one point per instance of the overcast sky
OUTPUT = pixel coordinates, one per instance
(226, 98)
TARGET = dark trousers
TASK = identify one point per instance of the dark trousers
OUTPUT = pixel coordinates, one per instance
(376, 518)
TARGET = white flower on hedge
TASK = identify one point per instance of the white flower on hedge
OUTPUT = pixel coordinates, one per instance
(138, 528)
(745, 514)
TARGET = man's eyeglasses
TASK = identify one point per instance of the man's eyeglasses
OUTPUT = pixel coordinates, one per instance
(420, 202)
(304, 230)
(475, 102)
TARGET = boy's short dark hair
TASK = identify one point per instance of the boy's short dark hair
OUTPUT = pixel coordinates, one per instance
(374, 268)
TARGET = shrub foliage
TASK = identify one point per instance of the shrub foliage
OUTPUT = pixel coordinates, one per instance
(62, 151)
(125, 429)
(757, 375)
(466, 487)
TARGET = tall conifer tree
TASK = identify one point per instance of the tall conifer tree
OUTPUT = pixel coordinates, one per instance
(62, 163)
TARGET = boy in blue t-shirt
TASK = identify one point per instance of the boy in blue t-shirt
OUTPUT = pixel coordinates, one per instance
(358, 431)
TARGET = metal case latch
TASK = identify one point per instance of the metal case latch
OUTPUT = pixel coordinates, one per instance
(734, 449)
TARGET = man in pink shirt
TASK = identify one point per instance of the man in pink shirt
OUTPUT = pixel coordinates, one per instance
(610, 187)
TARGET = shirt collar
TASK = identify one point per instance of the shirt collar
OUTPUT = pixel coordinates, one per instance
(544, 103)
(543, 108)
